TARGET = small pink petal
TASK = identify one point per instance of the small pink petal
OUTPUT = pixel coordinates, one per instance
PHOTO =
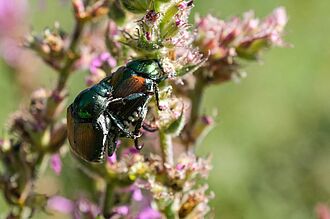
(137, 194)
(56, 163)
(112, 159)
(149, 213)
(122, 210)
(60, 204)
(112, 62)
(180, 166)
(323, 212)
(281, 16)
(104, 56)
(130, 151)
(208, 120)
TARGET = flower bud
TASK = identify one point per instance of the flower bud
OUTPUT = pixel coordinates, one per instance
(5, 145)
(50, 45)
(56, 163)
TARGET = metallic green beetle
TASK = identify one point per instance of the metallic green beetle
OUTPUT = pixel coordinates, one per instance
(115, 107)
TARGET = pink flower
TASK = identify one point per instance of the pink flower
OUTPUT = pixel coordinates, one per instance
(225, 39)
(77, 209)
(12, 15)
(121, 210)
(180, 166)
(137, 194)
(85, 207)
(112, 159)
(323, 212)
(12, 27)
(60, 204)
(103, 59)
(208, 120)
(149, 213)
(184, 5)
(130, 151)
(56, 163)
(99, 67)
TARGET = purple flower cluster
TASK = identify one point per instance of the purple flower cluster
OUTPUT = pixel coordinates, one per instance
(225, 41)
(98, 67)
(13, 27)
(80, 208)
(239, 36)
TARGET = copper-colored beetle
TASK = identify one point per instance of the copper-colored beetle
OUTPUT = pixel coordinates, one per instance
(115, 107)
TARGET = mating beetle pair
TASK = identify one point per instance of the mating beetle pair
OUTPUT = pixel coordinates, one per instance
(115, 107)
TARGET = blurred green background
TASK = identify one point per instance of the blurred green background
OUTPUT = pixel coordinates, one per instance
(271, 147)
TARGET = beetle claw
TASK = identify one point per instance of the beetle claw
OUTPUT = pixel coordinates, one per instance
(137, 146)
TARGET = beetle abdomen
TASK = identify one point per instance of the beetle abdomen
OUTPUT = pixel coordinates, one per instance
(85, 140)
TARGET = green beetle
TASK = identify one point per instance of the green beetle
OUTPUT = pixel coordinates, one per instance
(115, 107)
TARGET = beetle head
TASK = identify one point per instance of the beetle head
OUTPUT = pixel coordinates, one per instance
(148, 68)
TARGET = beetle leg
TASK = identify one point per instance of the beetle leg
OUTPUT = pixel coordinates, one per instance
(120, 125)
(101, 121)
(101, 126)
(137, 145)
(137, 134)
(134, 96)
(157, 96)
(112, 141)
(137, 129)
(124, 100)
(117, 100)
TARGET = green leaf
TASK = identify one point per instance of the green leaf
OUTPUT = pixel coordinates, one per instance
(116, 13)
(136, 6)
(169, 15)
(177, 125)
(190, 68)
(252, 51)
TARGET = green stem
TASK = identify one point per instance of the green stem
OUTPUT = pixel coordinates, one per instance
(166, 147)
(108, 200)
(196, 101)
(196, 97)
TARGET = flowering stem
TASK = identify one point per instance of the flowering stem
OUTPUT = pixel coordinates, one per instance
(108, 199)
(196, 97)
(64, 72)
(166, 146)
(72, 56)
